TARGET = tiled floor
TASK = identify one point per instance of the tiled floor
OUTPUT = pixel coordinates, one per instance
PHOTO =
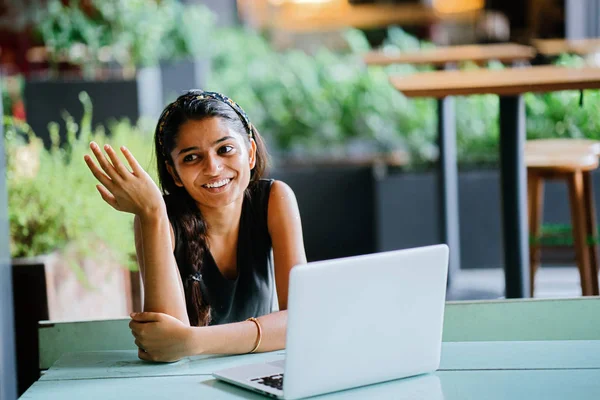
(483, 284)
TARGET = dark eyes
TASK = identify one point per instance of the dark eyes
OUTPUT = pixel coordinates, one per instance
(225, 149)
(222, 150)
(190, 157)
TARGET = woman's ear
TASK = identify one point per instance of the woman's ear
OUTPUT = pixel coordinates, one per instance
(174, 174)
(252, 154)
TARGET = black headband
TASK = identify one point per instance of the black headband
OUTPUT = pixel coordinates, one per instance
(199, 94)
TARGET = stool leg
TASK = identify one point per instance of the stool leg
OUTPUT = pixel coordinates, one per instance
(578, 213)
(535, 196)
(591, 229)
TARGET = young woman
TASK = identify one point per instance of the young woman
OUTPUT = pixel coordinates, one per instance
(206, 243)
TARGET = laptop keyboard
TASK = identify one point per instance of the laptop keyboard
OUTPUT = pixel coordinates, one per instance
(274, 381)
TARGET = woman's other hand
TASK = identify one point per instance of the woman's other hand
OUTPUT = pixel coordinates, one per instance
(160, 337)
(129, 191)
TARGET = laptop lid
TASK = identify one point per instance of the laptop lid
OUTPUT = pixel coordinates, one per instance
(360, 320)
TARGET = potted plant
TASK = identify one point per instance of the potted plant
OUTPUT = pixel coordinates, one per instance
(115, 47)
(73, 255)
(187, 48)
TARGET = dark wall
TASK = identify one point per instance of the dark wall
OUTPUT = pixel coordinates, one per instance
(45, 102)
(540, 18)
(337, 207)
(408, 215)
(348, 211)
(516, 11)
(7, 344)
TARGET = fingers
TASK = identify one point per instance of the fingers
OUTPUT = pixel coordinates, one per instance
(107, 196)
(135, 166)
(98, 174)
(136, 328)
(143, 355)
(117, 164)
(146, 317)
(104, 163)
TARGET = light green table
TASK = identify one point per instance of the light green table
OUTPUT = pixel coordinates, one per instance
(476, 370)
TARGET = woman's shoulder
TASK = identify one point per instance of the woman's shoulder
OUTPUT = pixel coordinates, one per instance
(265, 194)
(281, 198)
(264, 190)
(280, 188)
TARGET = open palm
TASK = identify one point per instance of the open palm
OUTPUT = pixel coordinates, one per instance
(131, 191)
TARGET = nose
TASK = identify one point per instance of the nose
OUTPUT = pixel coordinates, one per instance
(212, 165)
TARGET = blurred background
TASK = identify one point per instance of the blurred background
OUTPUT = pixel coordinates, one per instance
(360, 156)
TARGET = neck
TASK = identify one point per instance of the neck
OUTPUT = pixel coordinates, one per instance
(223, 221)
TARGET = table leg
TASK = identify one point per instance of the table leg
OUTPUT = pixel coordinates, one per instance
(591, 230)
(448, 182)
(513, 181)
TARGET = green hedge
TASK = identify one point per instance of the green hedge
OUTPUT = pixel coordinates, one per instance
(330, 103)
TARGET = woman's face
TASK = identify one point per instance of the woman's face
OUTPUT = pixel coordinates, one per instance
(212, 162)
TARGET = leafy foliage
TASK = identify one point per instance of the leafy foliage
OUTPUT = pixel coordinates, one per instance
(331, 104)
(132, 32)
(308, 105)
(51, 193)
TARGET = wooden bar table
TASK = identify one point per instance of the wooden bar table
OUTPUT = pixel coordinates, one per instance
(440, 57)
(555, 47)
(334, 15)
(510, 84)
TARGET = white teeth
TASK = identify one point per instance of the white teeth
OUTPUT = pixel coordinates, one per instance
(218, 184)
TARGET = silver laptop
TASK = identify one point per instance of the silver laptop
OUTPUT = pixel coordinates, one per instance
(356, 321)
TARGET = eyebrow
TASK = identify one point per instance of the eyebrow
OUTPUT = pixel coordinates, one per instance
(224, 138)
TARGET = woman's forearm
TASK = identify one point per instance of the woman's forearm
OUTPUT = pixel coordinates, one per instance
(240, 337)
(163, 290)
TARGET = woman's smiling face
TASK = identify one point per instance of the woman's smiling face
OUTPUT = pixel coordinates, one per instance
(212, 161)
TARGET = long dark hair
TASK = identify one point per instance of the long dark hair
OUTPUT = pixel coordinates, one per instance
(181, 207)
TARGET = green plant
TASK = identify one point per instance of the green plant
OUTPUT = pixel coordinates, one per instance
(134, 33)
(189, 31)
(326, 104)
(330, 104)
(51, 193)
(70, 34)
(138, 27)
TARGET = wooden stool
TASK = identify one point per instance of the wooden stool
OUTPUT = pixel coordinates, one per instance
(552, 146)
(573, 163)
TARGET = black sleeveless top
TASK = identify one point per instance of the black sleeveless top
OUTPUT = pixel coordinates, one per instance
(251, 293)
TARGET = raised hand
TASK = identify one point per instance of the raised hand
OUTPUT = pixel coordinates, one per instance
(129, 191)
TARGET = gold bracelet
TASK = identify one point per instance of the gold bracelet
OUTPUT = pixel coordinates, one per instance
(259, 334)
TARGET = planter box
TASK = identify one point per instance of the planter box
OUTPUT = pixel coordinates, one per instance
(410, 216)
(408, 203)
(47, 288)
(351, 210)
(177, 77)
(337, 207)
(45, 100)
